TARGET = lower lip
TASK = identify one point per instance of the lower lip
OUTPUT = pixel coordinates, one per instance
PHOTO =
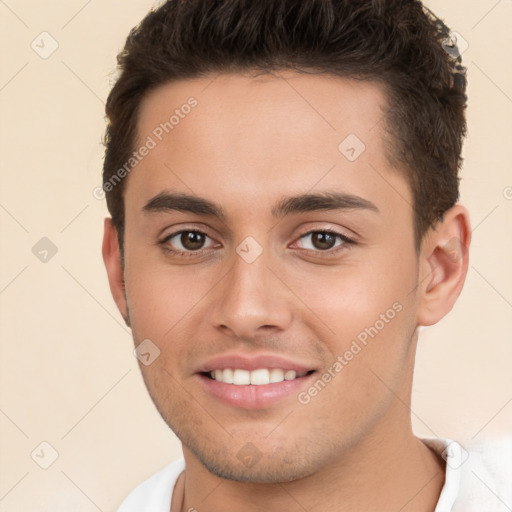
(254, 397)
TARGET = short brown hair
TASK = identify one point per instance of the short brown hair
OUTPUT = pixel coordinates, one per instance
(398, 43)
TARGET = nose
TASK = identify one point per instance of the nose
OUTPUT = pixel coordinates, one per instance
(251, 301)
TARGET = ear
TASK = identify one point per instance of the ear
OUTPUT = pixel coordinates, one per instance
(444, 260)
(112, 260)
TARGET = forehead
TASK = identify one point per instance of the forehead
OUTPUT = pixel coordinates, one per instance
(287, 104)
(260, 135)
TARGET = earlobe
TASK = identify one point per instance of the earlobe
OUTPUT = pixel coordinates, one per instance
(112, 260)
(444, 260)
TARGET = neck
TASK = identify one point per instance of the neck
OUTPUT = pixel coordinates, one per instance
(383, 473)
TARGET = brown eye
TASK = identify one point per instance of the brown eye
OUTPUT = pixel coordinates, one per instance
(323, 241)
(188, 241)
(192, 240)
(319, 241)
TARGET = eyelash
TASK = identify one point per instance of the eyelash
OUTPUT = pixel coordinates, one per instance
(183, 254)
(345, 239)
(347, 242)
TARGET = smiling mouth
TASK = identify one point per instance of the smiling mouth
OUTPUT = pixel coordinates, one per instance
(258, 377)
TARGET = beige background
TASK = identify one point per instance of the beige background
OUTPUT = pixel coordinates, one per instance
(68, 376)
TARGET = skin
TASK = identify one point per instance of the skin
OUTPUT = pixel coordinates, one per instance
(249, 143)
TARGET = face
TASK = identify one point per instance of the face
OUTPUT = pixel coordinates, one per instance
(268, 238)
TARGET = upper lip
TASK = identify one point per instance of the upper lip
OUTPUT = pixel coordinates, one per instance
(237, 361)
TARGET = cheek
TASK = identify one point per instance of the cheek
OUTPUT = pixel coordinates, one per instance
(365, 314)
(162, 299)
(351, 297)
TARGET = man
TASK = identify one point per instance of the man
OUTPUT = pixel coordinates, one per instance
(283, 182)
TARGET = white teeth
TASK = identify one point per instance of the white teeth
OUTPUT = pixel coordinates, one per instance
(227, 376)
(240, 377)
(259, 377)
(290, 375)
(276, 375)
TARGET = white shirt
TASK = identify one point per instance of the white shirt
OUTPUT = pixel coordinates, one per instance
(478, 479)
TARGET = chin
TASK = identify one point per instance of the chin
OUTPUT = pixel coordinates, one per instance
(228, 467)
(270, 463)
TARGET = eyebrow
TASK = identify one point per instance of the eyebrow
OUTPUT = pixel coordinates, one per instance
(321, 201)
(167, 202)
